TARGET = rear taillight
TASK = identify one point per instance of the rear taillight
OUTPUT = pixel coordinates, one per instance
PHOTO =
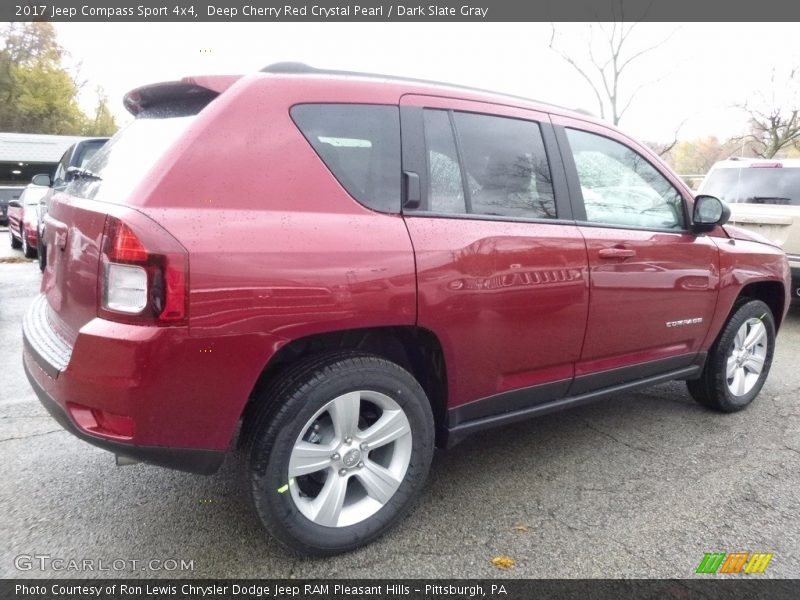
(143, 277)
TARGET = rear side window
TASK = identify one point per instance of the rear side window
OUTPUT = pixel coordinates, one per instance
(506, 166)
(445, 190)
(487, 165)
(360, 144)
(755, 185)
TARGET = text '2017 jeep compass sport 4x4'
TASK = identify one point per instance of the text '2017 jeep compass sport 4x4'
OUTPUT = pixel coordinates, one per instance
(349, 270)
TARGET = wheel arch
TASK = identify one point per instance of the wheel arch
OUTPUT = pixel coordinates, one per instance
(771, 293)
(416, 349)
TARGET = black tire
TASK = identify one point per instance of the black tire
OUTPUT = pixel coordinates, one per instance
(15, 243)
(27, 250)
(712, 389)
(279, 419)
(41, 253)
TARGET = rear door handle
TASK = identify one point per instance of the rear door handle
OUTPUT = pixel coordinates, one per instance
(616, 253)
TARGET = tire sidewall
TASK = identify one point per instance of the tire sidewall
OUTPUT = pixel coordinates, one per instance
(753, 309)
(269, 460)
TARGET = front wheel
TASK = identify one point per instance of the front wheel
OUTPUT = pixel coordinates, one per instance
(341, 446)
(739, 361)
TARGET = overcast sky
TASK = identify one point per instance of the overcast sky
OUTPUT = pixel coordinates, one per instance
(697, 75)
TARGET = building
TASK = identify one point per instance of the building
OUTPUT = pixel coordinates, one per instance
(23, 155)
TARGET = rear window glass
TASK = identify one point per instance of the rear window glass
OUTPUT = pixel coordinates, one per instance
(121, 164)
(755, 185)
(88, 153)
(360, 144)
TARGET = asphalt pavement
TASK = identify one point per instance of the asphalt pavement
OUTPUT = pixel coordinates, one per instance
(641, 485)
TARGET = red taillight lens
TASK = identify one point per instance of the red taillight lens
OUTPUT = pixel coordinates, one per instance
(125, 246)
(143, 274)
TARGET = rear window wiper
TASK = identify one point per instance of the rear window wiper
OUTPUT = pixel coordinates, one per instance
(79, 173)
(770, 200)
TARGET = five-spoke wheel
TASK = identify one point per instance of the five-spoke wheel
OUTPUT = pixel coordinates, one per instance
(738, 362)
(339, 446)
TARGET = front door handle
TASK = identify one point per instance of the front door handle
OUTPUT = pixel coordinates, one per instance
(616, 253)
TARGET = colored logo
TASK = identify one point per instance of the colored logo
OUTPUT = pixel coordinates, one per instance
(734, 562)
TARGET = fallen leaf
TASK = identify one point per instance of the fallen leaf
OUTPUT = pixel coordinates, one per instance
(503, 562)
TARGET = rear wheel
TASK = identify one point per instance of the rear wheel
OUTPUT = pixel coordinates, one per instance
(337, 451)
(41, 253)
(15, 243)
(739, 361)
(27, 250)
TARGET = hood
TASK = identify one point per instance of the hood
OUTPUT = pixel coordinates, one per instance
(746, 235)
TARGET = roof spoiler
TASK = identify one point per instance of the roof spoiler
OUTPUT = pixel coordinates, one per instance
(190, 94)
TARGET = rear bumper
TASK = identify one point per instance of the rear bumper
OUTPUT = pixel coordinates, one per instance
(203, 462)
(147, 375)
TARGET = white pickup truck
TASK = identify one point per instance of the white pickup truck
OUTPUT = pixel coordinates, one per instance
(764, 197)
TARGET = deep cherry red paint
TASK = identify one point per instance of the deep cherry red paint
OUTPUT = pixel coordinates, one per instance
(269, 248)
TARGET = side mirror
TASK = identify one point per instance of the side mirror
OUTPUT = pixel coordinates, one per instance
(709, 212)
(14, 204)
(41, 179)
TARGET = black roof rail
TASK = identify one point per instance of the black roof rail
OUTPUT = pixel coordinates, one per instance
(299, 68)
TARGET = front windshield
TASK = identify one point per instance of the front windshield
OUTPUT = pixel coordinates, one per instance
(755, 185)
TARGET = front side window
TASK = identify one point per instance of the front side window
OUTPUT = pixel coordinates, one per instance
(620, 187)
(360, 144)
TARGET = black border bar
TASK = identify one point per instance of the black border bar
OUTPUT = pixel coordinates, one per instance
(708, 588)
(108, 11)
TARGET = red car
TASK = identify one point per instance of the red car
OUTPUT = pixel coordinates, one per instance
(350, 270)
(23, 218)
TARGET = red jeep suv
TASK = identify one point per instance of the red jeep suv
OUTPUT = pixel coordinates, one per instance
(349, 270)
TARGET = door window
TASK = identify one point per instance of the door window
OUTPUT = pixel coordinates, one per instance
(506, 166)
(620, 187)
(488, 165)
(445, 188)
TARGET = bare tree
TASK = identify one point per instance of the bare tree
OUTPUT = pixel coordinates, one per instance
(774, 118)
(608, 54)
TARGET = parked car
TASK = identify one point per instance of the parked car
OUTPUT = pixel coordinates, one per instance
(7, 194)
(351, 270)
(70, 165)
(764, 196)
(22, 218)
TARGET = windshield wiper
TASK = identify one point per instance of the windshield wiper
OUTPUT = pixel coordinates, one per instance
(79, 173)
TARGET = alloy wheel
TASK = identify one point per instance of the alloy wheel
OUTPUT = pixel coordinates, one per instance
(747, 356)
(350, 458)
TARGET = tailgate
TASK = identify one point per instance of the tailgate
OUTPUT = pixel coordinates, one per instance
(73, 234)
(779, 224)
